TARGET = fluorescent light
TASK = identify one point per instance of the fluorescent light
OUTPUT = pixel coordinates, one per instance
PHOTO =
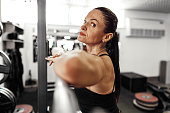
(67, 37)
(73, 30)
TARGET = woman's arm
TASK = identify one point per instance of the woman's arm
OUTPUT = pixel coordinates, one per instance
(79, 68)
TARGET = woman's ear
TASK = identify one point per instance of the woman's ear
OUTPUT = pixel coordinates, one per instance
(107, 37)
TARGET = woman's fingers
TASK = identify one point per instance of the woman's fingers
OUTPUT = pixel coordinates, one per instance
(51, 59)
(51, 62)
(56, 55)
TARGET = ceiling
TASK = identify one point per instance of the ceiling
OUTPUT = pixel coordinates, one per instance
(162, 6)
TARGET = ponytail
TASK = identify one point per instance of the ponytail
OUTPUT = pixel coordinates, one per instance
(112, 45)
(113, 50)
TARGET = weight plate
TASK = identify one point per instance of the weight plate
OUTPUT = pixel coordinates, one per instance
(5, 93)
(10, 103)
(5, 68)
(11, 95)
(146, 104)
(5, 102)
(23, 108)
(142, 107)
(146, 98)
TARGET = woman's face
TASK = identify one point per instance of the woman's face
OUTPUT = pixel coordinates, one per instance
(92, 30)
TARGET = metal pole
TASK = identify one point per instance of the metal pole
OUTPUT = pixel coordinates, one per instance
(42, 64)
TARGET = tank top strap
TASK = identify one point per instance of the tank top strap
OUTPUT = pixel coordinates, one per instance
(104, 55)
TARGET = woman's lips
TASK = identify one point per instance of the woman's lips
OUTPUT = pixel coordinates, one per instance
(82, 34)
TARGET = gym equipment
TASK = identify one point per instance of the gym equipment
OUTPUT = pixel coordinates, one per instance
(23, 108)
(1, 28)
(134, 82)
(7, 98)
(5, 68)
(145, 101)
(161, 91)
(64, 99)
(164, 72)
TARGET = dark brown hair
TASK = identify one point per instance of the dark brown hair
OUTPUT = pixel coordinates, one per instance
(112, 45)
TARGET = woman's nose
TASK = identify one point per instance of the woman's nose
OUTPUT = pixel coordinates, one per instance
(83, 27)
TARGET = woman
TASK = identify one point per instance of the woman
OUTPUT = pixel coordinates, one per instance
(95, 73)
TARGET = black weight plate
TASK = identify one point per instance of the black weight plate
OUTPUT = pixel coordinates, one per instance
(6, 94)
(5, 68)
(11, 95)
(5, 101)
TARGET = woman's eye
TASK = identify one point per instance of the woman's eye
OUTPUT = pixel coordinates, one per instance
(93, 25)
(84, 21)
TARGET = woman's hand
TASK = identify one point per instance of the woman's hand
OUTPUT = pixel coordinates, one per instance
(52, 59)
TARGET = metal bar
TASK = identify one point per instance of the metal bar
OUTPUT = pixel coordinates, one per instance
(42, 64)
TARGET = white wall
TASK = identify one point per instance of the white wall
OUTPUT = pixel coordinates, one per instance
(142, 55)
(28, 53)
(0, 10)
(168, 37)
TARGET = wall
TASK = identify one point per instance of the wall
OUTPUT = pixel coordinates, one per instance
(168, 37)
(0, 10)
(142, 55)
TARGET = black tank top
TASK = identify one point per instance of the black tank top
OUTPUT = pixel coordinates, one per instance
(89, 100)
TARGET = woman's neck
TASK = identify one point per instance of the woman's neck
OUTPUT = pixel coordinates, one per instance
(95, 50)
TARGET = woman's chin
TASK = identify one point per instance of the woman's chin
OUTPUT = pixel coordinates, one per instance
(80, 38)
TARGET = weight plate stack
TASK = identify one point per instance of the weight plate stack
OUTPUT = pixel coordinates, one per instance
(145, 101)
(7, 101)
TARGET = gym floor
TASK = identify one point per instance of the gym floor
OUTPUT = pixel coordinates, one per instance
(125, 101)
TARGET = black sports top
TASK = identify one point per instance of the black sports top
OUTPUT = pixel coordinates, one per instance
(89, 100)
